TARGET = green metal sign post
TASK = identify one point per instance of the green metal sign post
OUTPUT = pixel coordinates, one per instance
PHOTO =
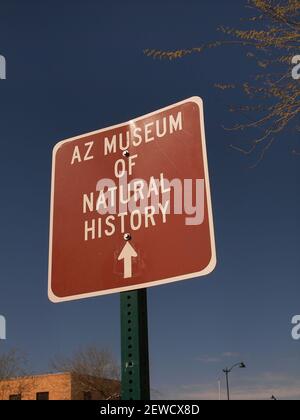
(134, 346)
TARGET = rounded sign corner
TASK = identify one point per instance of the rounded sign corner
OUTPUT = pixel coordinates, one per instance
(56, 147)
(212, 264)
(197, 100)
(52, 297)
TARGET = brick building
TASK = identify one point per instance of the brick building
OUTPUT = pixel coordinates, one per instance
(59, 386)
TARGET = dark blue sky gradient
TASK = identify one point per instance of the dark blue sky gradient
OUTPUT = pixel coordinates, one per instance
(77, 66)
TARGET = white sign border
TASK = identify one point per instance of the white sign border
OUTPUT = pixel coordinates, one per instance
(212, 264)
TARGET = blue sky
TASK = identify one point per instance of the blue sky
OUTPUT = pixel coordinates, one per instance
(78, 66)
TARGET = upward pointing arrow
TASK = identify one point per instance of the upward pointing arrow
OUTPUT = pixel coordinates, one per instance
(128, 252)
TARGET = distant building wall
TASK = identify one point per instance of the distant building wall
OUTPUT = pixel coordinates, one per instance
(61, 386)
(57, 387)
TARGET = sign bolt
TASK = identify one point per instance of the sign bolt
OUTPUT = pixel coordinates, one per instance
(126, 153)
(127, 237)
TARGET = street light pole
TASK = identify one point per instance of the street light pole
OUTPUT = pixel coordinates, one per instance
(226, 371)
(241, 365)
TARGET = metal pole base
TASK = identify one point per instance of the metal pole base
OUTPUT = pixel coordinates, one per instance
(134, 346)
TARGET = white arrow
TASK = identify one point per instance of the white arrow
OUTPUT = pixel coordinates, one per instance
(128, 252)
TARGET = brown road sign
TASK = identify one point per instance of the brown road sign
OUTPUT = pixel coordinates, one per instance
(131, 206)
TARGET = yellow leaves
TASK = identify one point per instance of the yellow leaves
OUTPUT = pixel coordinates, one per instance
(262, 64)
(173, 55)
(166, 54)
